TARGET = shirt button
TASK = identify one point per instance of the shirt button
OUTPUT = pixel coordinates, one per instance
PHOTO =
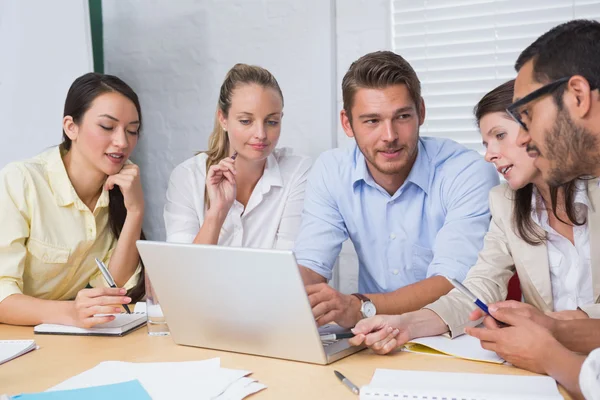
(395, 272)
(392, 236)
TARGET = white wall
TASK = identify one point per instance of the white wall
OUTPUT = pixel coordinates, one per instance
(44, 46)
(175, 55)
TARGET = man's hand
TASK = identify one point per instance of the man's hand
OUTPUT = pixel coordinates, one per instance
(568, 315)
(518, 308)
(524, 343)
(329, 305)
(381, 333)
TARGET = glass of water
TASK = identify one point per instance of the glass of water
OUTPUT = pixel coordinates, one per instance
(157, 325)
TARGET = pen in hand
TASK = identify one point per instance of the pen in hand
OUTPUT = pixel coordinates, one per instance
(337, 336)
(109, 279)
(463, 289)
(353, 388)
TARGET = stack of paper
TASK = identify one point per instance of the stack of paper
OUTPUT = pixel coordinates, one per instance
(202, 379)
(10, 349)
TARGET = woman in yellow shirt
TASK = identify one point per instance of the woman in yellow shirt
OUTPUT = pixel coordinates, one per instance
(73, 203)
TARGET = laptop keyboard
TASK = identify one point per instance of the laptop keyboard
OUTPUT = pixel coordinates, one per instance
(327, 343)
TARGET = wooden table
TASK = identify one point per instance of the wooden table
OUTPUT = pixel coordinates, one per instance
(61, 357)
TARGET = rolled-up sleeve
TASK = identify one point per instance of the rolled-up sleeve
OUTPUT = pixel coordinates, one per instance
(291, 217)
(14, 220)
(323, 230)
(467, 219)
(182, 222)
(488, 279)
(589, 376)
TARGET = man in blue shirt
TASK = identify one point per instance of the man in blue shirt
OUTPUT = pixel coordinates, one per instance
(416, 209)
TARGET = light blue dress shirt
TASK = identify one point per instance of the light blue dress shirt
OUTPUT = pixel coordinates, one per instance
(433, 225)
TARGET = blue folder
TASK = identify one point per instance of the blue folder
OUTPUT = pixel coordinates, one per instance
(131, 390)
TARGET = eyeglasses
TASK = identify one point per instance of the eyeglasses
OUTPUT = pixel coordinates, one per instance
(514, 110)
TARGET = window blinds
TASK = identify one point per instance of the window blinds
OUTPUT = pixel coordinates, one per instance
(461, 49)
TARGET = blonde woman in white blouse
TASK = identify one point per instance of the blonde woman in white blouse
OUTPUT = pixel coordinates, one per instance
(253, 194)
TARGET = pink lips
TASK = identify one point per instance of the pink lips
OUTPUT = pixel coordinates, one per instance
(116, 160)
(258, 146)
(390, 155)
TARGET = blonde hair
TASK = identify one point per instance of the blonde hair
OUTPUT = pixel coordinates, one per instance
(240, 74)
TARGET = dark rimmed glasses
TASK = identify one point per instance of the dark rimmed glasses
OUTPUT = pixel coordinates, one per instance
(514, 110)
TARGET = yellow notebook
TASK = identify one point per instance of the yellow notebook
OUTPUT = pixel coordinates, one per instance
(464, 346)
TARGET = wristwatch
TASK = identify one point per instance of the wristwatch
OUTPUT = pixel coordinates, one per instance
(367, 308)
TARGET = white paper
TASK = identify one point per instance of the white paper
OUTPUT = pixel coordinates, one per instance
(140, 307)
(464, 346)
(10, 349)
(204, 379)
(154, 310)
(428, 385)
(244, 387)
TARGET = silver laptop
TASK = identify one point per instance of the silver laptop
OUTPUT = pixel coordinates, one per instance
(236, 299)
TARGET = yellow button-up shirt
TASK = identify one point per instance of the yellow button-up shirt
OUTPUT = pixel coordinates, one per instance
(48, 236)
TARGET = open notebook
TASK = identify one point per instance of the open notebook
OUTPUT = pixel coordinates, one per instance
(427, 385)
(11, 349)
(120, 326)
(464, 346)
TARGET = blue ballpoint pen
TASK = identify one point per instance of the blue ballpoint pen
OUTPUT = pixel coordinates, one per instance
(462, 288)
(109, 279)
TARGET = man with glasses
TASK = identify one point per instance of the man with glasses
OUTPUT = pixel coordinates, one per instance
(557, 104)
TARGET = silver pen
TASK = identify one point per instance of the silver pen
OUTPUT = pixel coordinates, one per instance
(109, 279)
(347, 383)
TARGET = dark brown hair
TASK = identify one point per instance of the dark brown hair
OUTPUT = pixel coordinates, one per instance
(82, 93)
(497, 101)
(379, 70)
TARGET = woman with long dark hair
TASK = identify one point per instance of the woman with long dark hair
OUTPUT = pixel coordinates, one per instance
(71, 204)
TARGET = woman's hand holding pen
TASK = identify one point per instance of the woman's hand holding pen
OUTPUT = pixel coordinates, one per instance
(91, 302)
(221, 186)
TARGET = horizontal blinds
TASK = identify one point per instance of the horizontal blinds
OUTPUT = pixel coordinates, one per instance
(461, 49)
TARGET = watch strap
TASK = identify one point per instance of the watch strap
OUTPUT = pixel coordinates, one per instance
(361, 297)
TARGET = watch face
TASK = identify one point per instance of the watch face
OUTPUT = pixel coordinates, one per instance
(368, 309)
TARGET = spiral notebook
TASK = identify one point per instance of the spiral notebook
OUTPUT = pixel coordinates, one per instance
(120, 326)
(427, 385)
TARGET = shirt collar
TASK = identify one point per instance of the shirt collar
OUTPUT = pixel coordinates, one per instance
(271, 175)
(64, 192)
(419, 173)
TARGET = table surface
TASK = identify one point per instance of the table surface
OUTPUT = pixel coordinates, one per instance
(60, 357)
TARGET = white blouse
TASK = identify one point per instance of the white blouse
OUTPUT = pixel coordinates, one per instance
(271, 218)
(589, 377)
(570, 264)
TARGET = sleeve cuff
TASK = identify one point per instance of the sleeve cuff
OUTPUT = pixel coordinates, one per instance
(592, 310)
(448, 270)
(8, 288)
(454, 311)
(319, 269)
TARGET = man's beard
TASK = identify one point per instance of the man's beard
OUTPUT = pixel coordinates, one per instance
(571, 150)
